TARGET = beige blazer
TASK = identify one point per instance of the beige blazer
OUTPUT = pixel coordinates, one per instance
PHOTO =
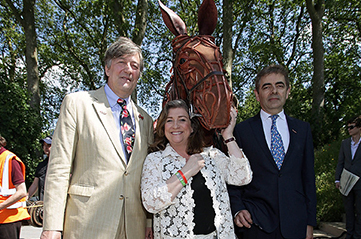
(90, 191)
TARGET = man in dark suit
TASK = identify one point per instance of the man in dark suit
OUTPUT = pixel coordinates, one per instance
(350, 159)
(280, 202)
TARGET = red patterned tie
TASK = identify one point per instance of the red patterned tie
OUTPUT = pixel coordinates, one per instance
(126, 126)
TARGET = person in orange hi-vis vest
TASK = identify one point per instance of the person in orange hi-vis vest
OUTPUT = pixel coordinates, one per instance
(12, 193)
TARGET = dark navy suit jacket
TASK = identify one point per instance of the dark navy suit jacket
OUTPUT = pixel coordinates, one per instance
(345, 161)
(285, 197)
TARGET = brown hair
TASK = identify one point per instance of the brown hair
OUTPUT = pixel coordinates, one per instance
(355, 120)
(2, 141)
(195, 141)
(276, 69)
(123, 46)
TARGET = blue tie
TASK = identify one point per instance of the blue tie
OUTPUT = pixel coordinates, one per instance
(277, 149)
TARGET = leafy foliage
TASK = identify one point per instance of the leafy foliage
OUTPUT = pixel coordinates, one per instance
(19, 124)
(329, 199)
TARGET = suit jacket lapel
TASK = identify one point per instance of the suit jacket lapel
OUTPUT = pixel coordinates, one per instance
(293, 131)
(257, 128)
(347, 150)
(104, 112)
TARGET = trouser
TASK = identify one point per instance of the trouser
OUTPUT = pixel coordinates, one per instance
(10, 230)
(352, 203)
(256, 233)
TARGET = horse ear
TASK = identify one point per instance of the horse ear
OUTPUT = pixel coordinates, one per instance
(174, 23)
(207, 17)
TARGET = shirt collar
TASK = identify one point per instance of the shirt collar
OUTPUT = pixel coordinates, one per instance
(266, 116)
(112, 97)
(169, 151)
(355, 143)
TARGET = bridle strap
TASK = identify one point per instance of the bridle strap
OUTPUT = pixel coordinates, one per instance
(218, 73)
(188, 92)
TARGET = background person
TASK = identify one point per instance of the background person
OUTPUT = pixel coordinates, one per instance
(101, 139)
(12, 193)
(183, 183)
(350, 159)
(280, 202)
(40, 172)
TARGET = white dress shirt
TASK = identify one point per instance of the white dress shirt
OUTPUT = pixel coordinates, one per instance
(116, 109)
(354, 146)
(282, 128)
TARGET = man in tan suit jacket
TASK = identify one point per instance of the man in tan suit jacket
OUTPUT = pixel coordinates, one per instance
(92, 190)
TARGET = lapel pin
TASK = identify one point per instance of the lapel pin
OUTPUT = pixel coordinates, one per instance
(294, 131)
(103, 112)
(140, 116)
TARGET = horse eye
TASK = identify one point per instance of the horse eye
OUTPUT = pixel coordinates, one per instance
(182, 61)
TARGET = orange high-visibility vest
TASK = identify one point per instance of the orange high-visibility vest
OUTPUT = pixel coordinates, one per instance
(17, 211)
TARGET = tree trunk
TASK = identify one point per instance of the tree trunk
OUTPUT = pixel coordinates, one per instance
(31, 54)
(139, 29)
(316, 12)
(140, 22)
(228, 53)
(26, 19)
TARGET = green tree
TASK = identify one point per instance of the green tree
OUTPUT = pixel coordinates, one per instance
(329, 199)
(276, 32)
(20, 121)
(25, 17)
(342, 66)
(316, 10)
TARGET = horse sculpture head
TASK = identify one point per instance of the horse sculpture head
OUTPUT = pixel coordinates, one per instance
(198, 77)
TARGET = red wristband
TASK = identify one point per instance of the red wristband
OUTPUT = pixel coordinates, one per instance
(184, 178)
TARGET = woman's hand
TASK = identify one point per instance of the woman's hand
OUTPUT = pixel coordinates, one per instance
(228, 132)
(227, 135)
(194, 164)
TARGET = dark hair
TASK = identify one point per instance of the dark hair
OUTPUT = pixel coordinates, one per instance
(195, 141)
(2, 141)
(355, 120)
(123, 46)
(276, 69)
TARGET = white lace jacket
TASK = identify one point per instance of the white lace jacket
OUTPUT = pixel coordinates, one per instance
(175, 219)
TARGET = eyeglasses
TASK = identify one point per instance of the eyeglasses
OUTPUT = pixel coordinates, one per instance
(351, 126)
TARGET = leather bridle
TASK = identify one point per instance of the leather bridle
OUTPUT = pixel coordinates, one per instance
(181, 44)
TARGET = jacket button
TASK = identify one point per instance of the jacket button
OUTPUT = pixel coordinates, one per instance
(126, 173)
(121, 197)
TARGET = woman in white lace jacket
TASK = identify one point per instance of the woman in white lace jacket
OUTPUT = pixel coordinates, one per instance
(184, 183)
